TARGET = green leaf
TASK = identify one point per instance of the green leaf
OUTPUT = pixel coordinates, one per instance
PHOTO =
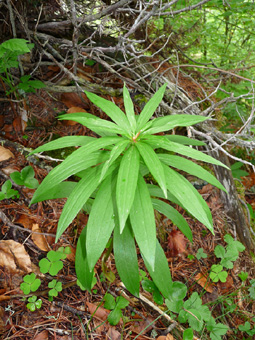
(114, 154)
(153, 163)
(163, 142)
(63, 142)
(113, 111)
(169, 122)
(189, 198)
(61, 190)
(125, 252)
(114, 317)
(109, 302)
(188, 334)
(83, 272)
(78, 197)
(121, 302)
(101, 222)
(191, 168)
(129, 108)
(93, 123)
(80, 159)
(216, 330)
(143, 222)
(184, 140)
(19, 45)
(160, 274)
(150, 108)
(171, 213)
(127, 183)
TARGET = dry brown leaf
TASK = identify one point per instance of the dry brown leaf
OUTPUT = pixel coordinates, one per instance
(113, 334)
(176, 243)
(72, 99)
(142, 327)
(226, 286)
(13, 257)
(73, 109)
(100, 312)
(71, 256)
(5, 154)
(39, 239)
(44, 335)
(203, 281)
(166, 337)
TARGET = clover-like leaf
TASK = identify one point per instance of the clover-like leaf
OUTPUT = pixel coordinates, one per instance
(30, 284)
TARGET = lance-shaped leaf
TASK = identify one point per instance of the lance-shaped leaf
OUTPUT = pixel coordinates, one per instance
(101, 222)
(191, 168)
(129, 108)
(80, 159)
(126, 258)
(112, 110)
(190, 199)
(162, 142)
(63, 142)
(143, 222)
(114, 154)
(153, 164)
(93, 123)
(126, 183)
(160, 274)
(84, 274)
(169, 122)
(150, 108)
(184, 140)
(80, 194)
(61, 190)
(174, 216)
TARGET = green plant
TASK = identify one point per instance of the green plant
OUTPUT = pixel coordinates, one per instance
(30, 284)
(149, 286)
(252, 289)
(236, 170)
(25, 177)
(112, 185)
(33, 303)
(243, 276)
(7, 191)
(55, 286)
(51, 264)
(10, 50)
(247, 328)
(201, 254)
(115, 307)
(217, 273)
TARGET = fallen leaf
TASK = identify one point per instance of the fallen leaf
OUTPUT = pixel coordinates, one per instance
(203, 281)
(73, 109)
(72, 99)
(44, 335)
(226, 286)
(176, 243)
(166, 337)
(100, 312)
(5, 154)
(13, 257)
(142, 327)
(113, 334)
(39, 239)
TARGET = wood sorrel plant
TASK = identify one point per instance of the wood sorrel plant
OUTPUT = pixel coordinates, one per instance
(113, 188)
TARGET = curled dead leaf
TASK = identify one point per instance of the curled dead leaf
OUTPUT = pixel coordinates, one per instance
(39, 239)
(13, 257)
(5, 154)
(176, 243)
(203, 281)
(100, 312)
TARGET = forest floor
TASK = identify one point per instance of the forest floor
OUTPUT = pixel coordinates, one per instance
(27, 234)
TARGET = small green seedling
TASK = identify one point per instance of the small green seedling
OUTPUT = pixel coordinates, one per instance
(30, 284)
(175, 300)
(7, 192)
(243, 276)
(27, 86)
(247, 328)
(52, 264)
(252, 289)
(200, 254)
(218, 274)
(191, 257)
(149, 286)
(55, 286)
(115, 307)
(33, 303)
(236, 170)
(216, 329)
(25, 177)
